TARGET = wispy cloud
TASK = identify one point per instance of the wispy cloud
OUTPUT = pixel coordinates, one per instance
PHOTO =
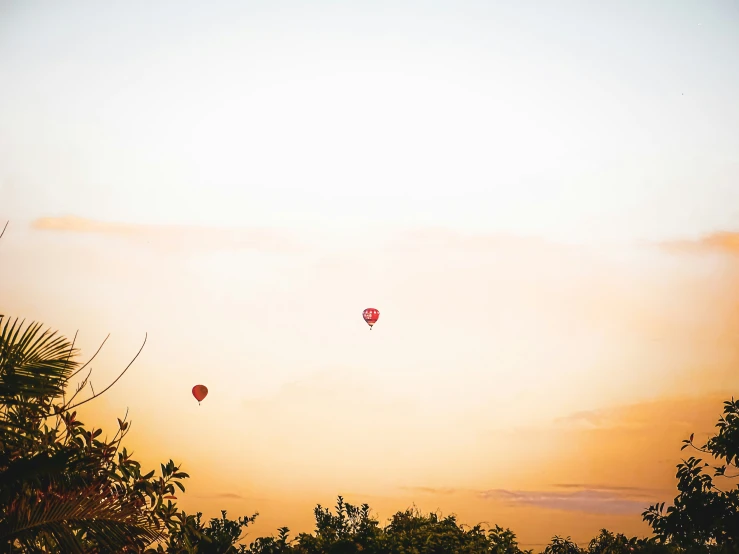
(623, 417)
(647, 415)
(633, 492)
(726, 242)
(179, 236)
(575, 496)
(588, 418)
(430, 490)
(439, 236)
(612, 502)
(436, 239)
(226, 495)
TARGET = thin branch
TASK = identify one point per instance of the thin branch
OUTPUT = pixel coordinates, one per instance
(123, 434)
(699, 449)
(71, 348)
(80, 386)
(64, 391)
(119, 427)
(6, 226)
(116, 379)
(91, 359)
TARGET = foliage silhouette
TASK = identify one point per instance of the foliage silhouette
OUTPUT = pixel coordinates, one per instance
(705, 517)
(63, 488)
(221, 536)
(352, 530)
(562, 546)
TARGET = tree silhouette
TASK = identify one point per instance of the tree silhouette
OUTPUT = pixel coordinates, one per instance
(64, 488)
(220, 536)
(352, 529)
(704, 515)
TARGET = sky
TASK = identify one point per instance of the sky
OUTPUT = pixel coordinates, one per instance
(541, 199)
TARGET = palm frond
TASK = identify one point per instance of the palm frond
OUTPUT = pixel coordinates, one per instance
(71, 521)
(34, 365)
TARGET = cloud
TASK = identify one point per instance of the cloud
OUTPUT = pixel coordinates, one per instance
(612, 499)
(622, 417)
(517, 248)
(588, 418)
(631, 491)
(611, 502)
(439, 236)
(430, 490)
(676, 412)
(180, 236)
(231, 495)
(725, 242)
(220, 495)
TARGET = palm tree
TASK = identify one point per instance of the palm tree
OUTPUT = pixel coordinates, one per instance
(62, 489)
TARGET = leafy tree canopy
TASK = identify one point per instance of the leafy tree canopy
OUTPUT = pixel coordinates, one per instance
(65, 487)
(705, 513)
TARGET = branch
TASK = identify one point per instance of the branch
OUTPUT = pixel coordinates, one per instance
(116, 379)
(120, 428)
(91, 359)
(64, 394)
(117, 440)
(702, 449)
(6, 226)
(80, 386)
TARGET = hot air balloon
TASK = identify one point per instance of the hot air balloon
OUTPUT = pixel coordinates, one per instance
(199, 392)
(371, 316)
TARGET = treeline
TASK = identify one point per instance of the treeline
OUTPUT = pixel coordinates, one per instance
(351, 530)
(67, 488)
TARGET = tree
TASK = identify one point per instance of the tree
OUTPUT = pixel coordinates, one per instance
(352, 529)
(63, 488)
(411, 531)
(503, 541)
(704, 517)
(189, 535)
(280, 544)
(562, 546)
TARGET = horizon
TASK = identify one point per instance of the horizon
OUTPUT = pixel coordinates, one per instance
(540, 201)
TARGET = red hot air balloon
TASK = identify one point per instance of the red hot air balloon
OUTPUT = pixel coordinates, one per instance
(199, 392)
(371, 316)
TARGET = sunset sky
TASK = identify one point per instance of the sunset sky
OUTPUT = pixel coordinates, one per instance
(541, 198)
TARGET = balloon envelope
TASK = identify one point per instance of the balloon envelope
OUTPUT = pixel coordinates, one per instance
(200, 392)
(371, 315)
